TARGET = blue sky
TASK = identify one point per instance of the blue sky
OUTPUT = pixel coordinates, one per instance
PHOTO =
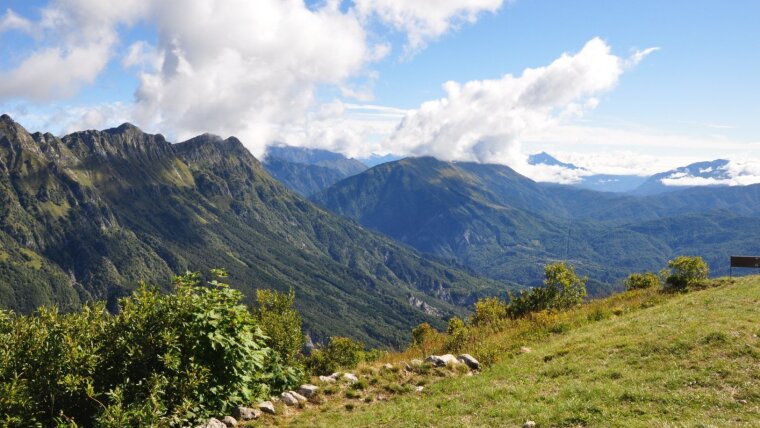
(694, 98)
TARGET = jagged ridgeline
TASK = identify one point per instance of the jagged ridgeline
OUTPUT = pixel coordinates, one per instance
(87, 216)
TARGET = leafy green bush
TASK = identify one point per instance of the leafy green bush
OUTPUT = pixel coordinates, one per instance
(457, 335)
(340, 352)
(421, 336)
(164, 359)
(685, 271)
(639, 281)
(563, 289)
(280, 323)
(488, 310)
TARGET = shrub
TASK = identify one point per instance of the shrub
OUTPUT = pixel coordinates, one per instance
(164, 359)
(422, 335)
(488, 310)
(562, 290)
(340, 352)
(457, 335)
(639, 281)
(280, 323)
(684, 271)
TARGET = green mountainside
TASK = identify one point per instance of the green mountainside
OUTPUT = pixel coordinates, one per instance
(506, 226)
(89, 215)
(308, 171)
(642, 358)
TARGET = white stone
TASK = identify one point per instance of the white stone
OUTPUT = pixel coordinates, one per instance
(350, 377)
(308, 390)
(288, 399)
(471, 362)
(267, 407)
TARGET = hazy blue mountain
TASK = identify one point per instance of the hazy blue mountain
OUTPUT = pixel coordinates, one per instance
(544, 158)
(702, 170)
(89, 215)
(506, 226)
(598, 182)
(308, 171)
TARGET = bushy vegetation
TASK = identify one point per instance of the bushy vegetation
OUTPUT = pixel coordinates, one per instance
(163, 360)
(685, 271)
(639, 281)
(488, 310)
(340, 353)
(563, 289)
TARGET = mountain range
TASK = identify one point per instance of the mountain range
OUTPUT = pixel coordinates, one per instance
(713, 173)
(308, 171)
(506, 226)
(89, 215)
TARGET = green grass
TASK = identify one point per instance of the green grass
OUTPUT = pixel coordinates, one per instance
(679, 360)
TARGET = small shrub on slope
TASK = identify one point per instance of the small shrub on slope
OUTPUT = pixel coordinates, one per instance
(341, 352)
(563, 289)
(639, 281)
(684, 271)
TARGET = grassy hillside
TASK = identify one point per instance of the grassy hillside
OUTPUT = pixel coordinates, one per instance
(639, 359)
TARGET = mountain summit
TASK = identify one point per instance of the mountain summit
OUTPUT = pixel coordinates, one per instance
(89, 215)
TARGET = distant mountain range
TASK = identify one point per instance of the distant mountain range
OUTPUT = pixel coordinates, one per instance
(696, 174)
(308, 171)
(506, 226)
(88, 215)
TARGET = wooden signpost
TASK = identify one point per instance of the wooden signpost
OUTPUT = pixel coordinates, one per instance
(744, 262)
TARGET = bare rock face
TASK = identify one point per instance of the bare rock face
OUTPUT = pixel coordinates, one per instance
(230, 421)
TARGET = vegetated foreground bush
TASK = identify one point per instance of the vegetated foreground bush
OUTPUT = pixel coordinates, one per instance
(639, 281)
(563, 289)
(163, 360)
(685, 271)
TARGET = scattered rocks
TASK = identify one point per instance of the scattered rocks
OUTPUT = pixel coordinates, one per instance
(419, 388)
(267, 407)
(246, 413)
(471, 362)
(229, 421)
(525, 350)
(327, 379)
(288, 399)
(308, 390)
(381, 397)
(529, 424)
(442, 360)
(213, 423)
(297, 396)
(350, 377)
(388, 366)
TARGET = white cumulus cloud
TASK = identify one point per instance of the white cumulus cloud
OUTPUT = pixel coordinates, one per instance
(425, 20)
(484, 120)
